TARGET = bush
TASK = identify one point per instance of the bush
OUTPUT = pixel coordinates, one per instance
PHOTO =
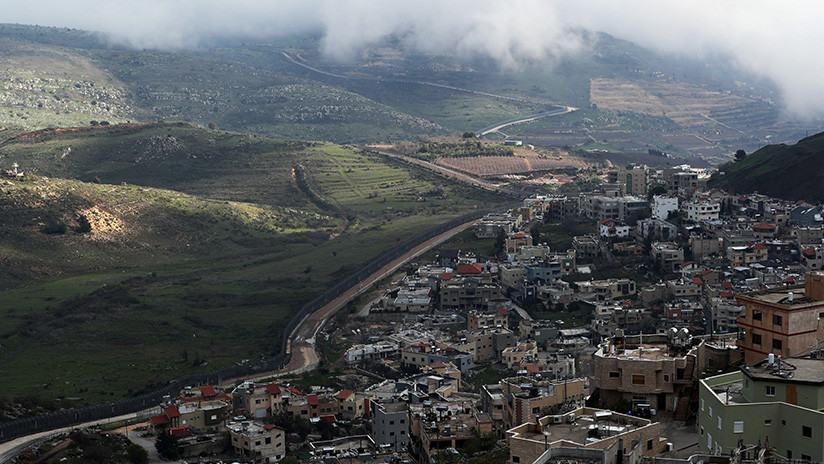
(54, 226)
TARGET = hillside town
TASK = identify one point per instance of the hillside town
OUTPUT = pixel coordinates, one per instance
(685, 328)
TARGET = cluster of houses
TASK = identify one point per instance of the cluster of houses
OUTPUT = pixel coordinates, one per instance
(731, 284)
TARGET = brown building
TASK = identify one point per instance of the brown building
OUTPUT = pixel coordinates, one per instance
(652, 370)
(584, 428)
(785, 322)
(524, 398)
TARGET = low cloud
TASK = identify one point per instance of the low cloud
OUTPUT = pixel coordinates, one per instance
(777, 40)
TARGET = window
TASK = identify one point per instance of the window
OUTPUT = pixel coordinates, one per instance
(391, 422)
(756, 339)
(804, 457)
(614, 375)
(738, 427)
(268, 440)
(777, 320)
(702, 404)
(789, 454)
(666, 377)
(710, 412)
(806, 432)
(719, 422)
(257, 443)
(516, 459)
(403, 421)
(767, 422)
(776, 344)
(649, 444)
(769, 390)
(638, 379)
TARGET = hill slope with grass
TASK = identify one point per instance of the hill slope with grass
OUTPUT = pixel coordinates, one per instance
(198, 262)
(792, 172)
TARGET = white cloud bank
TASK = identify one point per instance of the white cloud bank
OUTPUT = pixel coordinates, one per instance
(778, 40)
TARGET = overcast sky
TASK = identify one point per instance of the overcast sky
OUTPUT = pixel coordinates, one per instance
(777, 39)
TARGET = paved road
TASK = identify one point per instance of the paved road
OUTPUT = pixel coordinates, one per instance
(498, 126)
(302, 347)
(10, 449)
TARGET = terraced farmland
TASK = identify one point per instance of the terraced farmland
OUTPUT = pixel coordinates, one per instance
(687, 105)
(365, 183)
(483, 166)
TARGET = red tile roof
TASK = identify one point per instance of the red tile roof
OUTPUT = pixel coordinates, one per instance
(207, 391)
(760, 246)
(344, 394)
(726, 285)
(446, 276)
(789, 280)
(473, 268)
(161, 419)
(295, 390)
(697, 280)
(172, 411)
(763, 226)
(273, 388)
(726, 294)
(313, 400)
(502, 311)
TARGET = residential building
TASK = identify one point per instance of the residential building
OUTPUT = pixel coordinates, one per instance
(668, 255)
(438, 425)
(586, 246)
(482, 319)
(785, 322)
(583, 428)
(612, 228)
(525, 397)
(544, 272)
(657, 229)
(257, 442)
(778, 402)
(373, 351)
(390, 426)
(488, 344)
(513, 355)
(516, 240)
(747, 255)
(653, 370)
(608, 289)
(699, 211)
(465, 293)
(663, 205)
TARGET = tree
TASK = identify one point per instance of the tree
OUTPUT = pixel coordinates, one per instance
(740, 155)
(166, 446)
(212, 126)
(136, 454)
(468, 135)
(83, 225)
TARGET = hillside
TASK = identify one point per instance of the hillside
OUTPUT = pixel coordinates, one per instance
(792, 172)
(216, 239)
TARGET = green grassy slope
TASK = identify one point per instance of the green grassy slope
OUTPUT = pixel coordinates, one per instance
(792, 172)
(209, 271)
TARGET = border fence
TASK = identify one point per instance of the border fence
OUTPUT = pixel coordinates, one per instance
(69, 417)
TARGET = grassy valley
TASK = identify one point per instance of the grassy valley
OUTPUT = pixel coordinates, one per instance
(201, 273)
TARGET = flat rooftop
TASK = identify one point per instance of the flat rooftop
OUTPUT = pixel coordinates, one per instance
(792, 370)
(584, 430)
